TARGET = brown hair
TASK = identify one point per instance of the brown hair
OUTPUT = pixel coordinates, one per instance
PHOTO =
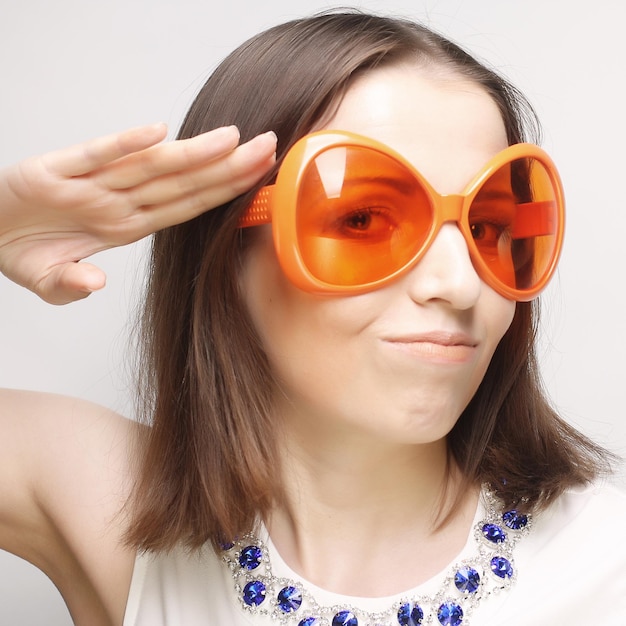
(211, 464)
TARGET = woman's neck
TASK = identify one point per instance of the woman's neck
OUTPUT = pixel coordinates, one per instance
(352, 500)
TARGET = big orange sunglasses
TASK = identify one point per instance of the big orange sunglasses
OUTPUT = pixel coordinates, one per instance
(349, 215)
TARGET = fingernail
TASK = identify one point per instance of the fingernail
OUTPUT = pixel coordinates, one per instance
(220, 131)
(236, 129)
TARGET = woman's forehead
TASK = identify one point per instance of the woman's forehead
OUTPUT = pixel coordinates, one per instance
(448, 127)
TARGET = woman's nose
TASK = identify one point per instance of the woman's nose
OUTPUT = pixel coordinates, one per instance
(446, 272)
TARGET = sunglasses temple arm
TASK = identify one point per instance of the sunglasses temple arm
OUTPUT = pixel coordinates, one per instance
(535, 219)
(260, 209)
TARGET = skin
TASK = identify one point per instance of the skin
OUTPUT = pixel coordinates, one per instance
(66, 465)
(369, 387)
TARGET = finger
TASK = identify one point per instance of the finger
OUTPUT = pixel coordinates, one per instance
(70, 282)
(85, 157)
(192, 205)
(168, 158)
(227, 177)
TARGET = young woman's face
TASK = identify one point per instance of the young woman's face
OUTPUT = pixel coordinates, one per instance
(402, 362)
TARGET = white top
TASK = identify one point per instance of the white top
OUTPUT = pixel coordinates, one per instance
(570, 569)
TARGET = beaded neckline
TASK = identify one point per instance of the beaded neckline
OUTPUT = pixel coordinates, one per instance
(466, 584)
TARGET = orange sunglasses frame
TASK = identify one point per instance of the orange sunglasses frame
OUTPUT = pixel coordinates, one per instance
(275, 203)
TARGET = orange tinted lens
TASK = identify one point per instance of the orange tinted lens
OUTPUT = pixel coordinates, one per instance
(361, 216)
(514, 223)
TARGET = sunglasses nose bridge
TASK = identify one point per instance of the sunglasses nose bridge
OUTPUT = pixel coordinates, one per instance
(450, 208)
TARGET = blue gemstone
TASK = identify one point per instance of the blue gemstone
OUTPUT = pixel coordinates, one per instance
(254, 593)
(309, 621)
(501, 567)
(450, 614)
(410, 615)
(289, 599)
(467, 580)
(494, 533)
(345, 618)
(227, 546)
(515, 520)
(250, 557)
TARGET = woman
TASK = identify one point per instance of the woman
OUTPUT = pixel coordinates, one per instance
(344, 419)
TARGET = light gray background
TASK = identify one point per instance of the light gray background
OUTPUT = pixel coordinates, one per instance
(73, 69)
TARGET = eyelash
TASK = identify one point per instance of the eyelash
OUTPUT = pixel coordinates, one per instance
(368, 211)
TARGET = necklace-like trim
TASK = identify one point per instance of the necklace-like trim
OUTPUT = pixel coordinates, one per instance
(467, 583)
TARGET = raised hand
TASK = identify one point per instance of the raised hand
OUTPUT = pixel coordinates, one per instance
(64, 206)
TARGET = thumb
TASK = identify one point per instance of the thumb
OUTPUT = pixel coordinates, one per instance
(70, 282)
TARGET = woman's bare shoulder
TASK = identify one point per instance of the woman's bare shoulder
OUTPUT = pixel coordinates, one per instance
(43, 406)
(66, 472)
(50, 437)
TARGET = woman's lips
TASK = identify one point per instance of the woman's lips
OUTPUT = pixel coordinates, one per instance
(436, 346)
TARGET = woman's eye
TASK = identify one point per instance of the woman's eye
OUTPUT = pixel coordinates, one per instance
(488, 233)
(373, 222)
(359, 221)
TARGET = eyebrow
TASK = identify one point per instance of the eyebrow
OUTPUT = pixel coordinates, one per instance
(402, 184)
(494, 194)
